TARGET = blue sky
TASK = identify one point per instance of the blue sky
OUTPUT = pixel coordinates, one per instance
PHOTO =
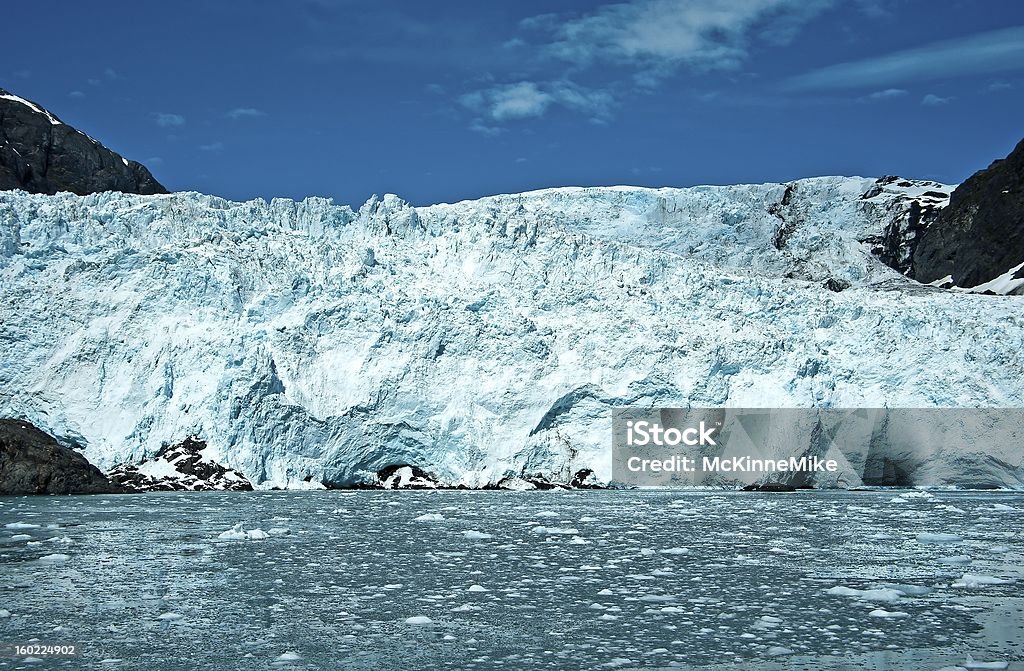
(442, 100)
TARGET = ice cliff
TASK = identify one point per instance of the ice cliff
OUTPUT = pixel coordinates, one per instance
(305, 342)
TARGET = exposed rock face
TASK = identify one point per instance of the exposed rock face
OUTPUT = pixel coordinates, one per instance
(913, 212)
(32, 462)
(41, 154)
(179, 467)
(980, 235)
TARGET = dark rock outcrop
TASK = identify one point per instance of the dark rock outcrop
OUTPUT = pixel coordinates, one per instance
(179, 467)
(32, 462)
(41, 154)
(980, 234)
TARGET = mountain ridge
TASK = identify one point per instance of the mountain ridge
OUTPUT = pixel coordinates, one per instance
(39, 153)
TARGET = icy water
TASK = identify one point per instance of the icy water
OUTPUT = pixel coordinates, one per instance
(503, 580)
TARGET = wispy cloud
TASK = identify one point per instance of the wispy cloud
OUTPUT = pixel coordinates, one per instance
(887, 94)
(667, 34)
(77, 94)
(931, 100)
(641, 41)
(245, 113)
(990, 52)
(168, 120)
(212, 147)
(527, 99)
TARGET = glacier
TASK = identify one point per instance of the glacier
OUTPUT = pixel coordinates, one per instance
(308, 343)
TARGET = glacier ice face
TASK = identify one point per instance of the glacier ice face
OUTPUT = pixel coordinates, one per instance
(307, 341)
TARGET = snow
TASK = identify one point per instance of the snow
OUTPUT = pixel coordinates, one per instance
(488, 338)
(1008, 282)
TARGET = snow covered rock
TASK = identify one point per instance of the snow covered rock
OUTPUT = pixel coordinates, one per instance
(308, 343)
(185, 466)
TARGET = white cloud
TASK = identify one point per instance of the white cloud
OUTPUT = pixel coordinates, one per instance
(990, 52)
(168, 120)
(706, 34)
(518, 101)
(213, 146)
(887, 94)
(931, 99)
(526, 99)
(245, 113)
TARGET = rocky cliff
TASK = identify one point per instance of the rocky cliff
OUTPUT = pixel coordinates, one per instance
(978, 239)
(31, 462)
(41, 154)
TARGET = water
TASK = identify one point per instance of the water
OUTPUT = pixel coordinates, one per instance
(646, 580)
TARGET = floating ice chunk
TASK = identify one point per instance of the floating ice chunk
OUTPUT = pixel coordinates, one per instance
(170, 617)
(476, 535)
(465, 608)
(478, 588)
(235, 533)
(910, 590)
(32, 660)
(430, 517)
(675, 551)
(4, 612)
(973, 664)
(55, 558)
(238, 533)
(917, 494)
(770, 619)
(976, 581)
(1002, 507)
(778, 650)
(418, 620)
(608, 617)
(554, 530)
(546, 513)
(881, 612)
(21, 537)
(289, 656)
(21, 525)
(579, 540)
(955, 559)
(888, 595)
(279, 531)
(605, 592)
(938, 538)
